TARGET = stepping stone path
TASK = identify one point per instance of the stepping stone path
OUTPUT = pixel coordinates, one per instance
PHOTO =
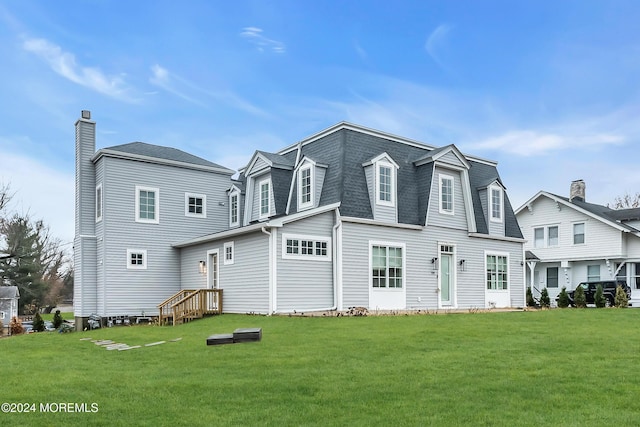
(112, 345)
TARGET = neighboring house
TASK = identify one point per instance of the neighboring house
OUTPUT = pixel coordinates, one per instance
(570, 241)
(9, 296)
(347, 217)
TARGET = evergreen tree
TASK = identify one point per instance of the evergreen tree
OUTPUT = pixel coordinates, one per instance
(599, 298)
(545, 302)
(57, 320)
(579, 298)
(530, 301)
(621, 299)
(563, 298)
(38, 323)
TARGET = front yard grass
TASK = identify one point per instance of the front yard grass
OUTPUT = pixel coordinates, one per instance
(552, 367)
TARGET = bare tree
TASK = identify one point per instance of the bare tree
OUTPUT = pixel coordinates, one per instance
(625, 202)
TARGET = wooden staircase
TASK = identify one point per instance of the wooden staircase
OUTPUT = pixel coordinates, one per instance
(190, 304)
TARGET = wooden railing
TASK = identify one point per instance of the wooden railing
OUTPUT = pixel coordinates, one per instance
(190, 304)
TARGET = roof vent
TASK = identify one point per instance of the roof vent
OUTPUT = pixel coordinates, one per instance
(86, 114)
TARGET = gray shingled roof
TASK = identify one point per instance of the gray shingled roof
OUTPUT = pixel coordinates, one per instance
(278, 160)
(345, 150)
(618, 216)
(9, 292)
(165, 153)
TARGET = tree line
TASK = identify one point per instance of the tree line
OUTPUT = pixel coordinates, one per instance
(32, 259)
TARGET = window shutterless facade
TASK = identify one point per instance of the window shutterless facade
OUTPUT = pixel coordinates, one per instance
(265, 198)
(99, 202)
(552, 277)
(497, 272)
(446, 194)
(233, 209)
(496, 203)
(296, 246)
(229, 253)
(137, 259)
(385, 183)
(387, 266)
(538, 237)
(578, 233)
(147, 204)
(593, 272)
(305, 187)
(195, 205)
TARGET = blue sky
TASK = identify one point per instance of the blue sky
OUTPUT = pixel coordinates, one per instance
(549, 89)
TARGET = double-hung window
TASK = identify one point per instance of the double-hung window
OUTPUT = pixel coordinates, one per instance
(147, 204)
(538, 237)
(446, 194)
(385, 183)
(233, 209)
(229, 253)
(578, 233)
(552, 277)
(386, 266)
(496, 203)
(265, 198)
(593, 272)
(305, 187)
(497, 272)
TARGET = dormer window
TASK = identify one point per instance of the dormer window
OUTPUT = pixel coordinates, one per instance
(305, 187)
(385, 179)
(446, 194)
(265, 198)
(234, 202)
(496, 204)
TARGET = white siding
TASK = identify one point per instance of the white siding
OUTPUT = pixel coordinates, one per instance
(458, 219)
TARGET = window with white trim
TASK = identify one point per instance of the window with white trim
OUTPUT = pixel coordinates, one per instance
(229, 253)
(552, 236)
(265, 198)
(546, 236)
(497, 267)
(137, 259)
(552, 277)
(593, 272)
(233, 209)
(578, 233)
(384, 175)
(496, 203)
(387, 264)
(446, 194)
(195, 205)
(99, 202)
(147, 204)
(538, 237)
(307, 247)
(305, 187)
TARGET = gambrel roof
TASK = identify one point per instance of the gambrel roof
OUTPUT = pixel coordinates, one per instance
(9, 292)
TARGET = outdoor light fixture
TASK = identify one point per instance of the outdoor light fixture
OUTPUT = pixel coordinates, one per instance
(462, 263)
(434, 261)
(203, 266)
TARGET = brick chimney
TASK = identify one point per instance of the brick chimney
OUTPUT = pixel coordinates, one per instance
(577, 191)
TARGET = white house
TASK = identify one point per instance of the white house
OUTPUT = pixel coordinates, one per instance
(347, 217)
(9, 296)
(570, 241)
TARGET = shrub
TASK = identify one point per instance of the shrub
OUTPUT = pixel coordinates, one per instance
(530, 301)
(563, 298)
(579, 299)
(621, 299)
(57, 320)
(38, 323)
(15, 326)
(599, 298)
(545, 301)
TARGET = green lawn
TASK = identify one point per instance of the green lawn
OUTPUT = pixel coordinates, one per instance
(554, 367)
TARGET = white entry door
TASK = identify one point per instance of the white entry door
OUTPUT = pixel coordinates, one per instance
(446, 278)
(212, 278)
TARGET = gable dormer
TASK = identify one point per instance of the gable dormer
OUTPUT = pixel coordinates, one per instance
(450, 202)
(267, 178)
(382, 177)
(306, 188)
(492, 197)
(235, 205)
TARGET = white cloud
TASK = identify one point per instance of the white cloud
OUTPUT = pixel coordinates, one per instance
(435, 43)
(532, 143)
(64, 63)
(255, 36)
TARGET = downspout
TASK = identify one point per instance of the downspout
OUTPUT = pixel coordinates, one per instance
(272, 291)
(337, 262)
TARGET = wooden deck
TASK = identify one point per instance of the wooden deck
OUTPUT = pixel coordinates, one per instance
(190, 304)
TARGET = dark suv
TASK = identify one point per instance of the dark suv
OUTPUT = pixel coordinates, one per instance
(608, 290)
